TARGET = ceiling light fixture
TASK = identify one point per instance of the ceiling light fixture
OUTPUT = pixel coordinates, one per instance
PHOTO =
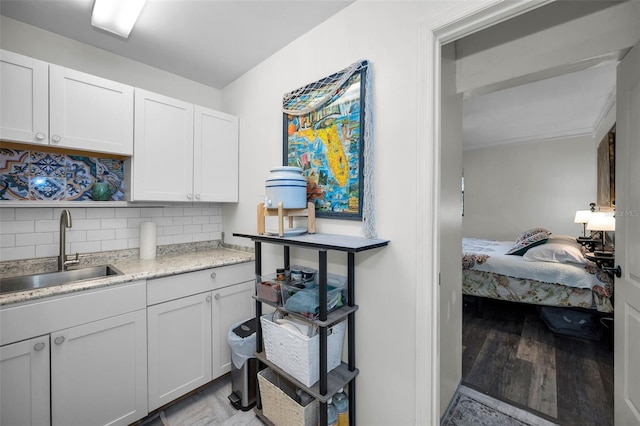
(116, 16)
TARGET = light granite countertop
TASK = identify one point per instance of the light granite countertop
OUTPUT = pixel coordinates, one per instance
(168, 262)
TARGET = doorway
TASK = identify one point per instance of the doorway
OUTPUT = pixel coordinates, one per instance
(463, 21)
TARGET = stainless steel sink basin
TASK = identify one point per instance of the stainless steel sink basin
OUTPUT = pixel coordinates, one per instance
(28, 282)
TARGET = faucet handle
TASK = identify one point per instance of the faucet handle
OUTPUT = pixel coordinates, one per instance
(73, 260)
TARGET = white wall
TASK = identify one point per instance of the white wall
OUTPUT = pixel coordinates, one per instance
(37, 43)
(509, 189)
(385, 33)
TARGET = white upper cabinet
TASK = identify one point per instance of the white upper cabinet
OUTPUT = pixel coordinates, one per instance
(50, 105)
(183, 152)
(163, 156)
(215, 156)
(90, 113)
(24, 99)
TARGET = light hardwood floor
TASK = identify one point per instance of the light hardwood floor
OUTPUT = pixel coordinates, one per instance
(207, 406)
(510, 354)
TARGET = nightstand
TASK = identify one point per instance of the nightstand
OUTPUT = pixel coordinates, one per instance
(588, 242)
(604, 260)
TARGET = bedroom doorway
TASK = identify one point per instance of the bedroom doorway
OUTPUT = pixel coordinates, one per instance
(442, 35)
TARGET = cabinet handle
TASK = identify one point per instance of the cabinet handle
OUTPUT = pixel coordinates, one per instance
(189, 196)
(40, 136)
(39, 346)
(208, 298)
(55, 138)
(59, 340)
(217, 296)
(213, 275)
(197, 196)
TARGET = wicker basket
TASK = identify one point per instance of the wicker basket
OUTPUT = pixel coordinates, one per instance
(278, 404)
(298, 355)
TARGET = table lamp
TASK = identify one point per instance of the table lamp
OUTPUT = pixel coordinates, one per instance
(582, 216)
(602, 222)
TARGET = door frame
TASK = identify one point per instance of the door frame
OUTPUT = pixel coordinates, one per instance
(457, 22)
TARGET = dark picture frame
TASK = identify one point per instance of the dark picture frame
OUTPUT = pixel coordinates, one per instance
(328, 144)
(606, 173)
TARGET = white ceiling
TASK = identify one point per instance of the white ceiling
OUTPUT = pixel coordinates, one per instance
(216, 41)
(209, 41)
(568, 105)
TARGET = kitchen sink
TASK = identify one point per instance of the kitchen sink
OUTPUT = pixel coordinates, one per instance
(28, 282)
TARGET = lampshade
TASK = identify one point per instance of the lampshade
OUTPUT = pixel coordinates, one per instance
(116, 16)
(601, 221)
(582, 216)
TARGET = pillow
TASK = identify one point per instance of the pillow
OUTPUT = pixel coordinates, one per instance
(556, 251)
(531, 233)
(522, 246)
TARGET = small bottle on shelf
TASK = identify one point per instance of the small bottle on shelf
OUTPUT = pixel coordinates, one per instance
(332, 414)
(341, 402)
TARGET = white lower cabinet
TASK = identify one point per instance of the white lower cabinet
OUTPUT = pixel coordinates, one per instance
(99, 372)
(179, 343)
(24, 383)
(189, 316)
(230, 305)
(89, 365)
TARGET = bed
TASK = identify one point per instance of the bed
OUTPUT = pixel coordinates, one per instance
(544, 270)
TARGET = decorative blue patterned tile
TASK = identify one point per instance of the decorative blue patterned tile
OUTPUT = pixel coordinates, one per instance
(34, 175)
(47, 188)
(47, 165)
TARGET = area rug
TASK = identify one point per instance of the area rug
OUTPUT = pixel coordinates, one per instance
(472, 408)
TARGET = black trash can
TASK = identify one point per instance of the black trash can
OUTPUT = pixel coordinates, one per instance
(244, 365)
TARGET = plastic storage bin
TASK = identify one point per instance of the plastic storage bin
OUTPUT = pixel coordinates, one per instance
(279, 404)
(298, 355)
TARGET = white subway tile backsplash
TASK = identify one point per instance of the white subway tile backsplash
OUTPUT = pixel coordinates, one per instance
(128, 212)
(47, 225)
(7, 240)
(34, 214)
(110, 245)
(103, 234)
(34, 232)
(85, 247)
(101, 213)
(114, 223)
(7, 214)
(84, 224)
(19, 227)
(15, 253)
(34, 239)
(47, 250)
(182, 220)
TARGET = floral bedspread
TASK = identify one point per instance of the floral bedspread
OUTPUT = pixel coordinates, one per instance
(496, 286)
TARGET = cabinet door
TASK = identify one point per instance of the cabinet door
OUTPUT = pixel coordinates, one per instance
(230, 305)
(179, 347)
(163, 155)
(90, 113)
(24, 383)
(24, 99)
(99, 372)
(215, 156)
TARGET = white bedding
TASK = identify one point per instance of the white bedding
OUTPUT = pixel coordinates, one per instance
(571, 275)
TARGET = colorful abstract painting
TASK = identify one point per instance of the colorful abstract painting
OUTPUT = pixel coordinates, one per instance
(327, 144)
(34, 175)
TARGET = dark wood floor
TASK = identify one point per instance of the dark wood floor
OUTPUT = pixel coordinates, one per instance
(510, 354)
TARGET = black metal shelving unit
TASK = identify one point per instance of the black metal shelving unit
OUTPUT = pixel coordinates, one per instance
(344, 375)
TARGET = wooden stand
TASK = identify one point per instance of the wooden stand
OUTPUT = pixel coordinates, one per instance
(309, 212)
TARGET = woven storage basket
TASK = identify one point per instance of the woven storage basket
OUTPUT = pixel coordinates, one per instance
(298, 355)
(278, 405)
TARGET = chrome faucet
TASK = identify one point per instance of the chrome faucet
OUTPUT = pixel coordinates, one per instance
(65, 222)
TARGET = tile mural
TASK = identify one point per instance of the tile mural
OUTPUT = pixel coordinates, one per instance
(34, 175)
